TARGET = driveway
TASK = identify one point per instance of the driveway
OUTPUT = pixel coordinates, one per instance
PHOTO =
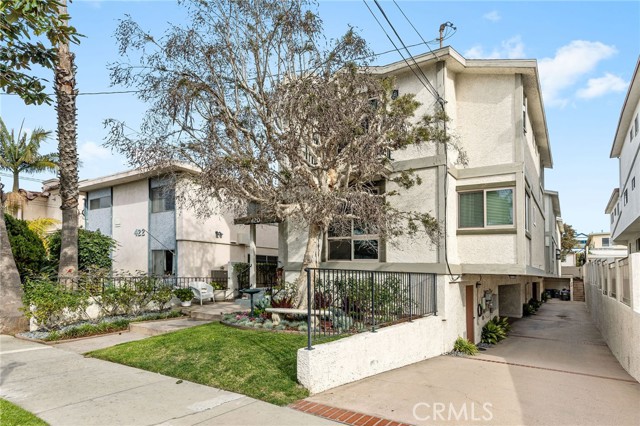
(554, 369)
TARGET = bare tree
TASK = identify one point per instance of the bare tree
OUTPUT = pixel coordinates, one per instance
(68, 154)
(273, 116)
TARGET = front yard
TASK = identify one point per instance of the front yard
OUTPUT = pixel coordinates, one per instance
(259, 364)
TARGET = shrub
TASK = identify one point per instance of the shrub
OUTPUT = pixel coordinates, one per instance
(527, 309)
(52, 305)
(94, 249)
(465, 346)
(28, 250)
(492, 333)
(502, 323)
(184, 294)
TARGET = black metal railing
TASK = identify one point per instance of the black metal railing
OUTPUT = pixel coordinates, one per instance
(351, 301)
(266, 276)
(97, 284)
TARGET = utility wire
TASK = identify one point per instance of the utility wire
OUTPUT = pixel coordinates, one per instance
(399, 51)
(431, 89)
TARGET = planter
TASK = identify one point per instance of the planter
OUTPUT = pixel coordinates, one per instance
(186, 303)
(222, 295)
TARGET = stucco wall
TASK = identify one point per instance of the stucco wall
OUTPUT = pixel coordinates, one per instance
(487, 249)
(486, 99)
(131, 212)
(620, 327)
(366, 354)
(99, 219)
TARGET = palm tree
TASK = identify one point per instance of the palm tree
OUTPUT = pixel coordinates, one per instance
(65, 82)
(19, 154)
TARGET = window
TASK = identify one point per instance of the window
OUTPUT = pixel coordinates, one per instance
(481, 209)
(524, 115)
(635, 121)
(162, 199)
(100, 203)
(633, 183)
(605, 242)
(638, 244)
(625, 196)
(631, 134)
(355, 241)
(527, 212)
(162, 262)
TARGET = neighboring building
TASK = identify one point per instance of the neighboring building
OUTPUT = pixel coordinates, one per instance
(159, 236)
(600, 245)
(613, 282)
(46, 204)
(502, 226)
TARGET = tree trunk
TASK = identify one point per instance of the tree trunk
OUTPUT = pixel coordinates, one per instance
(311, 260)
(12, 319)
(16, 182)
(67, 150)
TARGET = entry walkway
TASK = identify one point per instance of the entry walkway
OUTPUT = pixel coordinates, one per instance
(554, 369)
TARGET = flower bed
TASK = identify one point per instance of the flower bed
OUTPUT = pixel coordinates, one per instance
(104, 326)
(263, 321)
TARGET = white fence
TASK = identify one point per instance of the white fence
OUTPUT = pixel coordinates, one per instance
(612, 291)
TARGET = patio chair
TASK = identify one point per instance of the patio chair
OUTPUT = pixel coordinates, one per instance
(201, 291)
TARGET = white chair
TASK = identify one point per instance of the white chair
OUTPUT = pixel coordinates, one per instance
(201, 290)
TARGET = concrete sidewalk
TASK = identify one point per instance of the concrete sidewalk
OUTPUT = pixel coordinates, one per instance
(64, 388)
(554, 369)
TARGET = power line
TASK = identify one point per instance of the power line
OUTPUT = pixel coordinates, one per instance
(23, 177)
(398, 50)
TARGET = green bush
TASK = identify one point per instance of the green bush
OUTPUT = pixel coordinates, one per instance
(465, 346)
(502, 323)
(492, 333)
(184, 294)
(94, 249)
(28, 250)
(52, 305)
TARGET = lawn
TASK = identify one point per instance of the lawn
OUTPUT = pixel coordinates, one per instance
(12, 415)
(259, 364)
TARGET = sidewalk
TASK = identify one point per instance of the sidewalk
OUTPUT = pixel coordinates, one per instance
(64, 388)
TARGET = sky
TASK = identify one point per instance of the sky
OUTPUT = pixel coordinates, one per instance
(586, 53)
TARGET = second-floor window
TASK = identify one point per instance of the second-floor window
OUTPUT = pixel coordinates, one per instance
(352, 242)
(527, 212)
(162, 199)
(605, 242)
(100, 203)
(486, 208)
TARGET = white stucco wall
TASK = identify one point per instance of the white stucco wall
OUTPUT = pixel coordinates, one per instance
(353, 358)
(487, 249)
(130, 212)
(486, 99)
(620, 327)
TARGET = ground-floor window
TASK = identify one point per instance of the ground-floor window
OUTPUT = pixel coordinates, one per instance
(162, 263)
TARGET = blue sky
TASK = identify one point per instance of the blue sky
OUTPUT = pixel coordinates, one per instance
(586, 53)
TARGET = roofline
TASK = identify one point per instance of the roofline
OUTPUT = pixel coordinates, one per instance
(632, 98)
(555, 202)
(527, 66)
(613, 199)
(132, 176)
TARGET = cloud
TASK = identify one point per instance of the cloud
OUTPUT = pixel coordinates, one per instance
(90, 151)
(597, 87)
(512, 48)
(493, 16)
(568, 66)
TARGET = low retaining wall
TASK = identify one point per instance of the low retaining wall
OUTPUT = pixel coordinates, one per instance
(620, 327)
(353, 358)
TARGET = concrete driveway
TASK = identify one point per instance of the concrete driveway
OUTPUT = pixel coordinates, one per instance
(554, 369)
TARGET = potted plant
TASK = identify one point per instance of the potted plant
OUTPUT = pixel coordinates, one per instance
(185, 295)
(219, 291)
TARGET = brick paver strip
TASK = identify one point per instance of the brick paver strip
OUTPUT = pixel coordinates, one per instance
(343, 416)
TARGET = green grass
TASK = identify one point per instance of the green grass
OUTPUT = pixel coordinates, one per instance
(259, 364)
(12, 415)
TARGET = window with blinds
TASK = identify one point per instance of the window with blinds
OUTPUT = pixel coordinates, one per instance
(485, 208)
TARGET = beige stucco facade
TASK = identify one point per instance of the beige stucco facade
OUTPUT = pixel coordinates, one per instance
(497, 117)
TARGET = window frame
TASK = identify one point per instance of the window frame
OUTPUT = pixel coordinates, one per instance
(484, 208)
(165, 254)
(164, 191)
(100, 202)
